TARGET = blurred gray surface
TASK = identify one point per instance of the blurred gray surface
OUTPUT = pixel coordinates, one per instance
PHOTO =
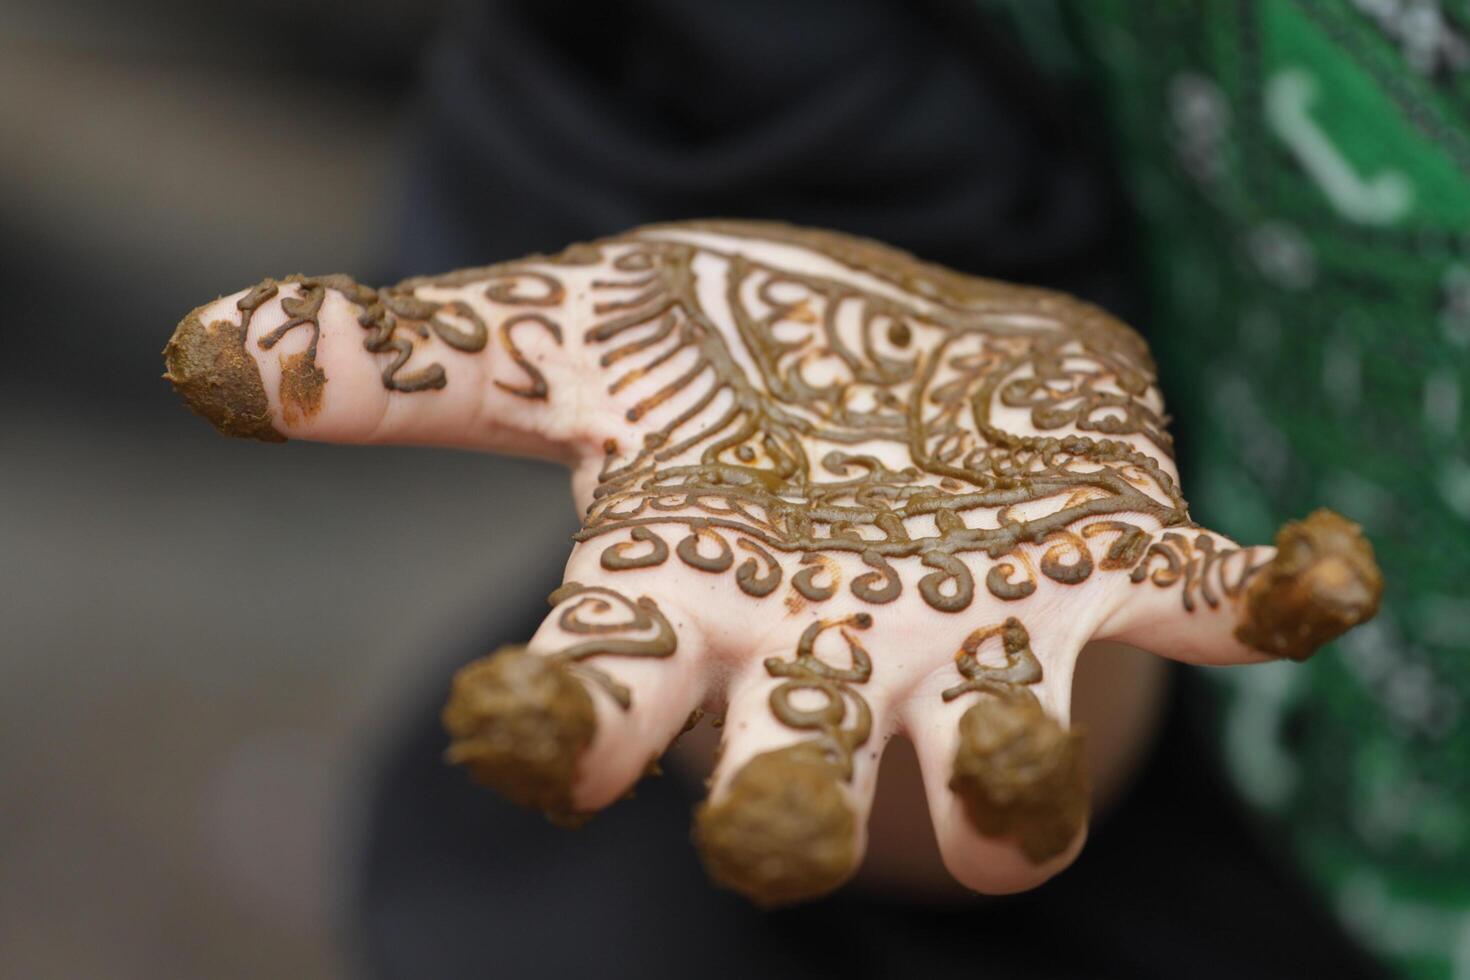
(205, 641)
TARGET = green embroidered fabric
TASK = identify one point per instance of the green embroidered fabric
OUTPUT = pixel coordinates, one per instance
(1302, 168)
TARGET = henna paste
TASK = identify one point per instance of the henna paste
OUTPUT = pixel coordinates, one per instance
(616, 559)
(609, 639)
(750, 578)
(938, 364)
(935, 374)
(1020, 775)
(941, 429)
(1322, 582)
(301, 387)
(537, 388)
(688, 551)
(1021, 666)
(783, 831)
(518, 722)
(843, 721)
(209, 367)
(805, 581)
(1199, 566)
(879, 586)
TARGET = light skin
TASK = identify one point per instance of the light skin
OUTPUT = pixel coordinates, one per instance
(830, 495)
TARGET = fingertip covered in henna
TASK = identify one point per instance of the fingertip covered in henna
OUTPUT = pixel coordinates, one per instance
(520, 722)
(1021, 776)
(784, 831)
(1323, 582)
(208, 366)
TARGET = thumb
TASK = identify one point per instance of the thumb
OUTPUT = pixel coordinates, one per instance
(470, 360)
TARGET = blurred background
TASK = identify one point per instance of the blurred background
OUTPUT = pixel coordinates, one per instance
(204, 641)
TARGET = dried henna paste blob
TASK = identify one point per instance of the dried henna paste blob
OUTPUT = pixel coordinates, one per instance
(617, 638)
(209, 367)
(519, 722)
(783, 831)
(1322, 582)
(302, 383)
(1021, 776)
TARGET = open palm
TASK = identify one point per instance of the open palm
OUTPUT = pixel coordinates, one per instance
(829, 493)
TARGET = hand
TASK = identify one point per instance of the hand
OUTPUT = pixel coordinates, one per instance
(831, 494)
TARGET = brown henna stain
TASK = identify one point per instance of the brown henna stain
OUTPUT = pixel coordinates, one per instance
(1322, 582)
(1021, 776)
(301, 387)
(783, 831)
(519, 722)
(218, 379)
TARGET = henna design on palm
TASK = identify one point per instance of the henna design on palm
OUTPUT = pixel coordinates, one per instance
(829, 491)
